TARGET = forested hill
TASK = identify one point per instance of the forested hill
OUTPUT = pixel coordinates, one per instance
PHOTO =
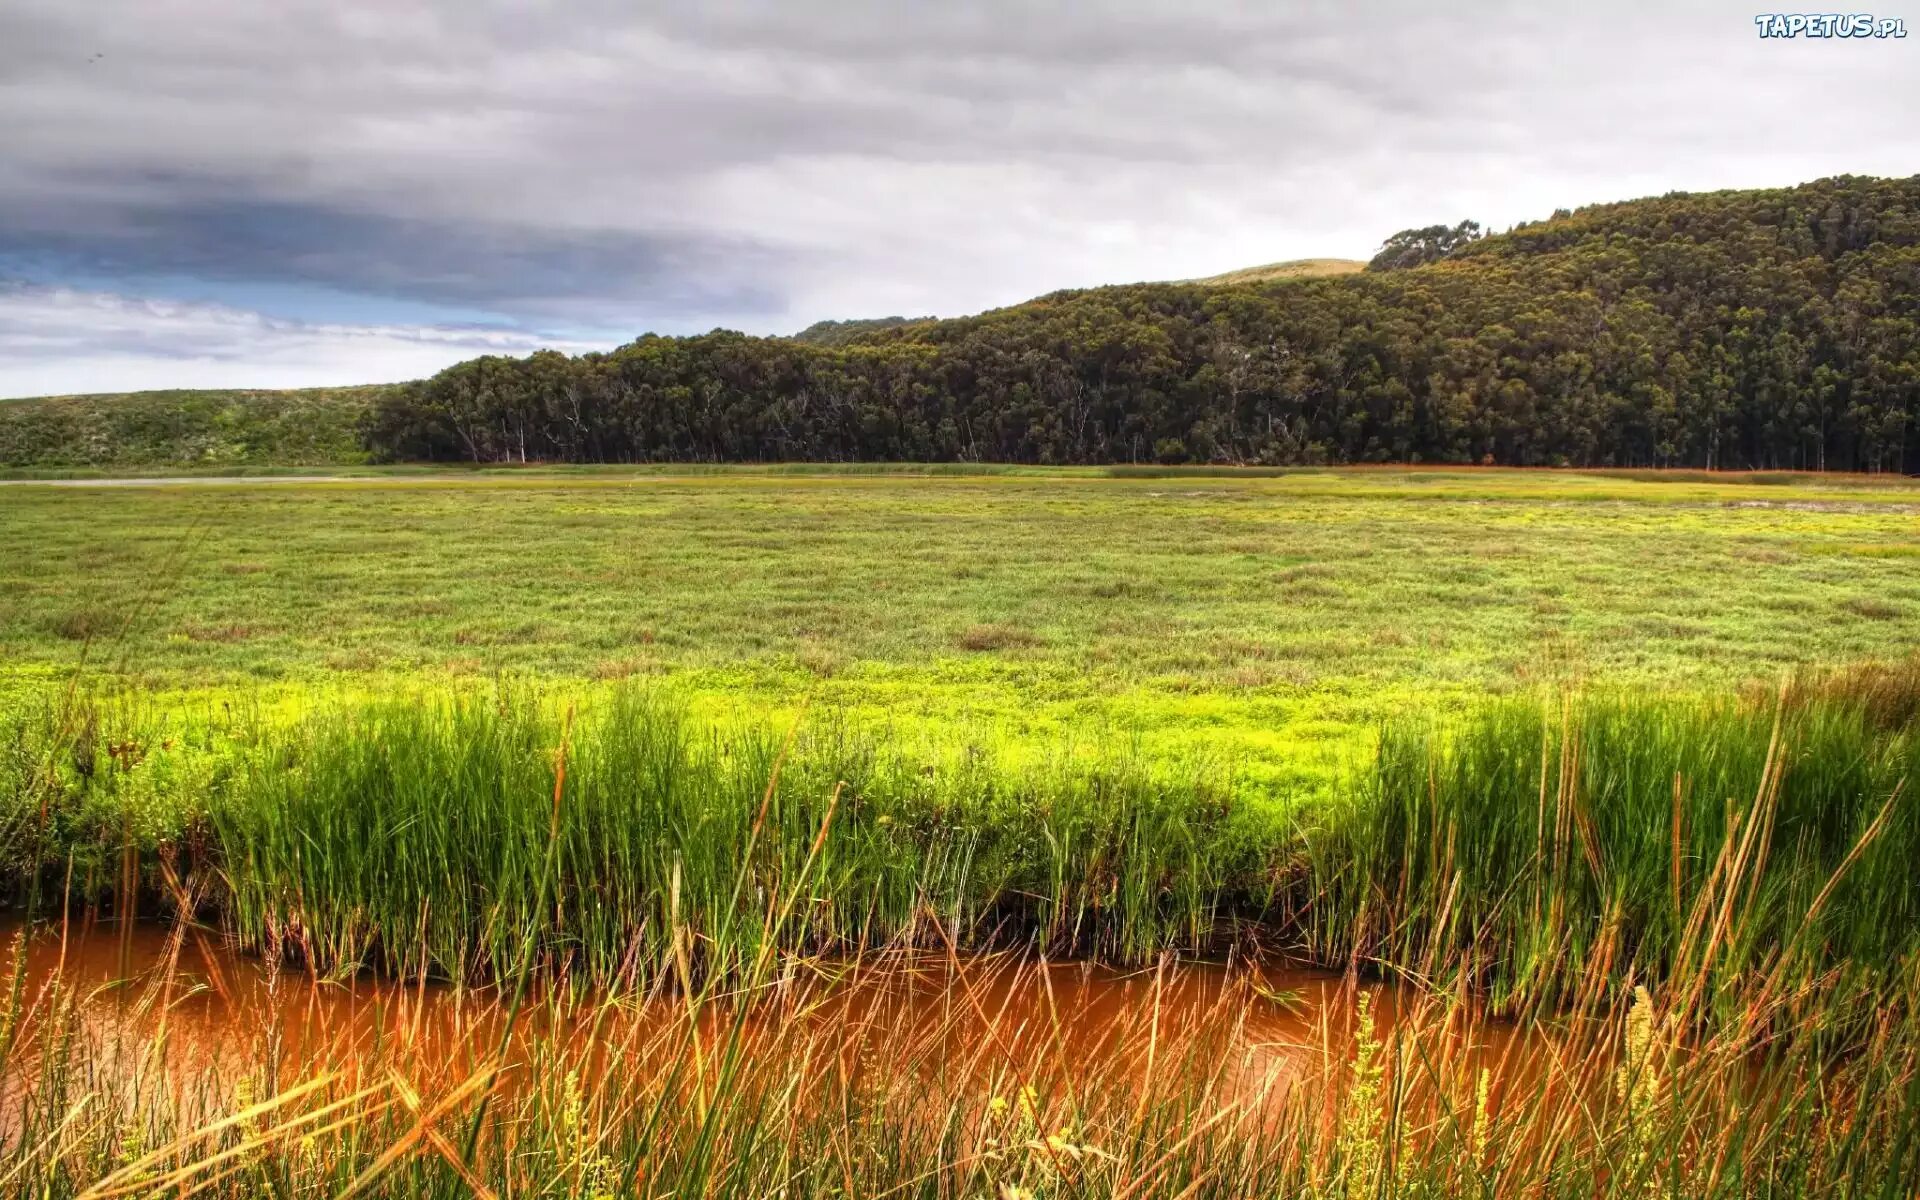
(1776, 328)
(1747, 329)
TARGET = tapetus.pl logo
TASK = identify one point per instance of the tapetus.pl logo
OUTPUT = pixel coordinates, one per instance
(1829, 25)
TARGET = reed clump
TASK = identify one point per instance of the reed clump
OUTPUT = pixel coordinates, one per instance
(1530, 837)
(376, 833)
(1495, 849)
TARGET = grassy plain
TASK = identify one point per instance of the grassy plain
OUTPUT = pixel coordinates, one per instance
(1267, 619)
(290, 731)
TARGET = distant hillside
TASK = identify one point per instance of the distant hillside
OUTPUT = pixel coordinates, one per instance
(1297, 268)
(841, 333)
(1765, 329)
(309, 427)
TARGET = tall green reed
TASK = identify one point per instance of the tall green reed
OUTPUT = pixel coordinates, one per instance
(409, 833)
(1533, 836)
(372, 833)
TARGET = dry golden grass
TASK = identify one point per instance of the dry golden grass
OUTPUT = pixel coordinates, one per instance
(1298, 268)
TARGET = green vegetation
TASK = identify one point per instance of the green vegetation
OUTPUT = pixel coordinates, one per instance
(1507, 846)
(309, 427)
(354, 826)
(1528, 839)
(1267, 624)
(840, 333)
(1240, 699)
(1417, 247)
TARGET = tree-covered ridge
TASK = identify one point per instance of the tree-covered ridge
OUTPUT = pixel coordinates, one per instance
(1771, 329)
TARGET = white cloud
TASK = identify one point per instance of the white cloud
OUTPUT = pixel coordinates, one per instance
(56, 340)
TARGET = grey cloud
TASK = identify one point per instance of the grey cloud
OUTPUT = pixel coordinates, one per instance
(766, 164)
(206, 231)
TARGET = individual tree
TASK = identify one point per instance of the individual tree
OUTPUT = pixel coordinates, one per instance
(1418, 247)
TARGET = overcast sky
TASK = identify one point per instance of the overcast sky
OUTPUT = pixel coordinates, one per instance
(229, 193)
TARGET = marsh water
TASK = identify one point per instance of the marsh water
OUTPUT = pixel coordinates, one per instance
(179, 1001)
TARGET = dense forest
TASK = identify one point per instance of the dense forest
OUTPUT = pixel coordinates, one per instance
(1746, 329)
(1769, 329)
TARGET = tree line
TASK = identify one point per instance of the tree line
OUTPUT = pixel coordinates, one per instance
(1750, 329)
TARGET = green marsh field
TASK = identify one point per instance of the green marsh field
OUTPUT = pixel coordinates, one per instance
(1259, 618)
(724, 832)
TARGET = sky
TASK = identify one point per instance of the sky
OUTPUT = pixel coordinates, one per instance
(217, 193)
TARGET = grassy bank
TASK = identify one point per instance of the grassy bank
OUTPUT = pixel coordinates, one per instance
(1517, 845)
(1697, 913)
(369, 829)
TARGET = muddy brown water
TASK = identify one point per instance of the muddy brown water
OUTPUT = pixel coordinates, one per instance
(181, 1002)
